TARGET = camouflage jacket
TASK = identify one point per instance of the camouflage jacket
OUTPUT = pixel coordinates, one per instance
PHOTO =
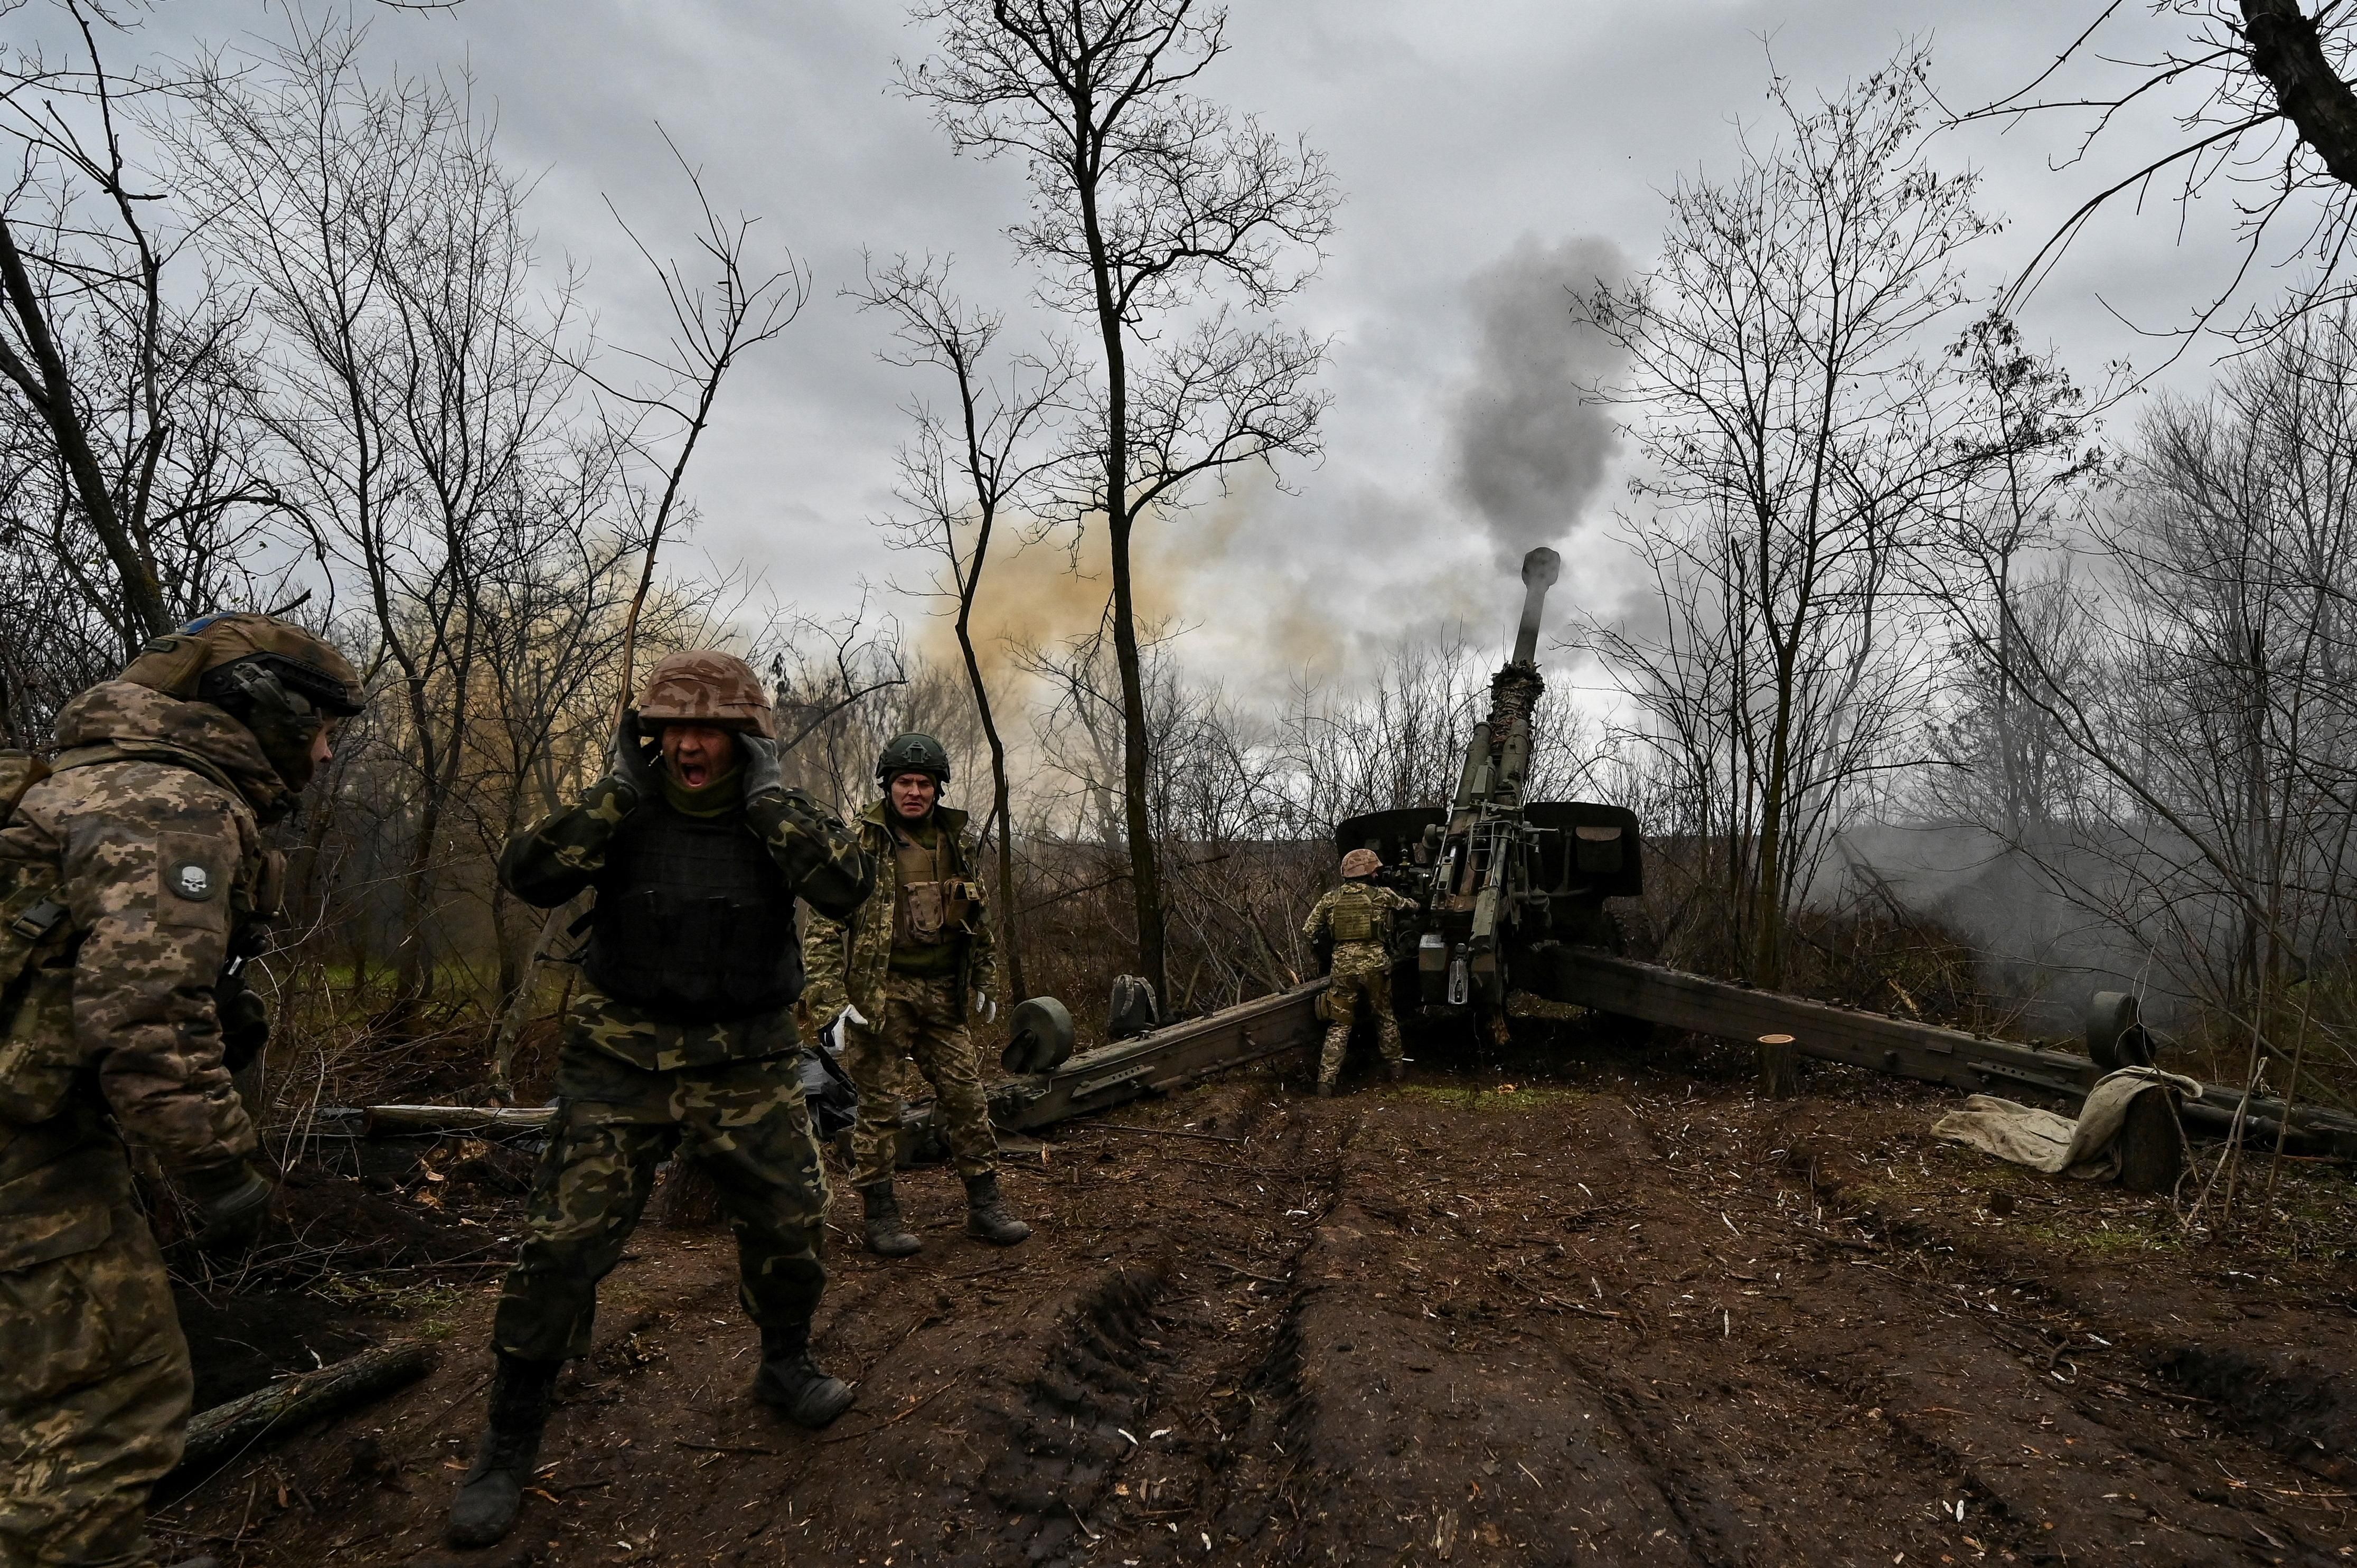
(846, 958)
(148, 834)
(1355, 905)
(560, 856)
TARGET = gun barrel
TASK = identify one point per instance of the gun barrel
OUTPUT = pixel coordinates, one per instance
(1540, 569)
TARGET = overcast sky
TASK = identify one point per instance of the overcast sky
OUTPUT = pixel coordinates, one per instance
(1478, 144)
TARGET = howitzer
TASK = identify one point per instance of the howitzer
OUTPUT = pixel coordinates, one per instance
(1510, 897)
(1500, 882)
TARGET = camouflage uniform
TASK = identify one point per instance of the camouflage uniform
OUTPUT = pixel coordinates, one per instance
(633, 1087)
(743, 1120)
(151, 827)
(1356, 916)
(919, 1017)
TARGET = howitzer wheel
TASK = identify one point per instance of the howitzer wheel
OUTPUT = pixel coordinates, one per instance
(1042, 1040)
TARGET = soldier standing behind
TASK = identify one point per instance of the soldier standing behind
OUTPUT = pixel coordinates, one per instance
(681, 1036)
(132, 882)
(1357, 917)
(901, 973)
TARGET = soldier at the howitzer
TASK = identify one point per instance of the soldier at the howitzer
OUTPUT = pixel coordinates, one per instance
(1357, 919)
(680, 1038)
(901, 976)
(132, 884)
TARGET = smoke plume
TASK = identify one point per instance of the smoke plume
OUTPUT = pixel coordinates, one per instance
(1528, 447)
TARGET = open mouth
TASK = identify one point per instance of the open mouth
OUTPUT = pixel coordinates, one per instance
(694, 775)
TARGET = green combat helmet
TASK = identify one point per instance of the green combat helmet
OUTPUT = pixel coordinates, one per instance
(912, 753)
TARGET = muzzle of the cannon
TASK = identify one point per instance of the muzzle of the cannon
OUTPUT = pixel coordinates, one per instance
(1540, 569)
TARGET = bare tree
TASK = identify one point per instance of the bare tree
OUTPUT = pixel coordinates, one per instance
(1149, 202)
(2207, 694)
(2259, 93)
(132, 493)
(713, 325)
(1779, 385)
(959, 472)
(418, 383)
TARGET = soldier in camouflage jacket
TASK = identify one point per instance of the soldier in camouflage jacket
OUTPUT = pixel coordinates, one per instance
(1357, 919)
(680, 1038)
(129, 878)
(901, 974)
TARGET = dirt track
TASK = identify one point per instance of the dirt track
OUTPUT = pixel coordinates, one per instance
(1601, 1319)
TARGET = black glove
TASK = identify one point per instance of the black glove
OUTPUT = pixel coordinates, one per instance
(231, 1200)
(245, 1023)
(759, 756)
(626, 761)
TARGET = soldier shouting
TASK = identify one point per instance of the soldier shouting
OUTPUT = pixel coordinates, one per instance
(1357, 919)
(132, 880)
(901, 974)
(681, 1036)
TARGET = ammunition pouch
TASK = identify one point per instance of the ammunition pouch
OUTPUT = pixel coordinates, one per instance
(937, 912)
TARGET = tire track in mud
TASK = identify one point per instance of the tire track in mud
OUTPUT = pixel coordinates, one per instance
(1615, 1363)
(1986, 1384)
(1099, 1425)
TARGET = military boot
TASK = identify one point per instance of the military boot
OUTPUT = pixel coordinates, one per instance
(986, 1213)
(488, 1500)
(791, 1382)
(887, 1237)
(1325, 1089)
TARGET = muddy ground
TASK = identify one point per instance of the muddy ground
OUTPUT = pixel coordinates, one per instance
(1618, 1311)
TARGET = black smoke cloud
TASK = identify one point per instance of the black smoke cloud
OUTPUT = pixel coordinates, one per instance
(1529, 447)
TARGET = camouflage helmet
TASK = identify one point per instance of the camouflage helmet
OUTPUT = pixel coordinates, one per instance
(177, 663)
(277, 680)
(1361, 862)
(912, 753)
(706, 687)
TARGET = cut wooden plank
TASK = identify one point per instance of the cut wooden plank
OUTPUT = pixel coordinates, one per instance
(412, 1121)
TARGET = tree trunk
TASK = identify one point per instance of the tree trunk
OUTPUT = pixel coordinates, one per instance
(1137, 814)
(47, 387)
(2285, 49)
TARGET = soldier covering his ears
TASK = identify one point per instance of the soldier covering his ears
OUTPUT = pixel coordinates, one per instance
(901, 974)
(1357, 917)
(680, 1037)
(132, 884)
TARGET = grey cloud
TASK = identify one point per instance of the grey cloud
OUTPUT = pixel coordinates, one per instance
(1530, 448)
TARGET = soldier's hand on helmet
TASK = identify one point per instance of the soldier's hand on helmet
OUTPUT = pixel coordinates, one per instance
(760, 758)
(626, 759)
(987, 1006)
(231, 1201)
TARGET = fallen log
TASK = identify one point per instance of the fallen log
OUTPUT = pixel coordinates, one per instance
(220, 1434)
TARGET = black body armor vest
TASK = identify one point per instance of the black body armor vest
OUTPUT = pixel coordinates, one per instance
(694, 923)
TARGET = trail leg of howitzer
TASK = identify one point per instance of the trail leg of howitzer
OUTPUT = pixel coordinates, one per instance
(1623, 1316)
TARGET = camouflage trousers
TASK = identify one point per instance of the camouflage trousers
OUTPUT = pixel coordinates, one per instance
(744, 1123)
(1361, 979)
(923, 1022)
(94, 1391)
